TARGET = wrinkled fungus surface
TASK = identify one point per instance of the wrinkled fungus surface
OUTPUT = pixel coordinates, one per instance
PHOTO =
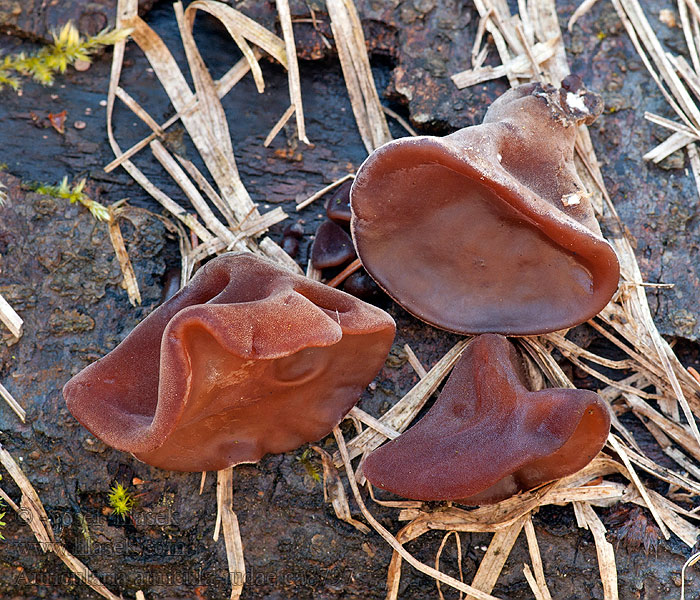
(246, 359)
(488, 437)
(490, 228)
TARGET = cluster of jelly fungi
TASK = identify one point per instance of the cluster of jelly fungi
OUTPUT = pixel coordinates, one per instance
(486, 231)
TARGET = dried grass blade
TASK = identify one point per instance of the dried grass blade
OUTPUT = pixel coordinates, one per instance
(605, 552)
(685, 531)
(129, 282)
(32, 511)
(622, 453)
(232, 532)
(675, 430)
(581, 10)
(458, 543)
(399, 416)
(13, 404)
(520, 66)
(640, 32)
(207, 188)
(487, 13)
(334, 491)
(692, 150)
(278, 126)
(292, 66)
(10, 318)
(688, 33)
(536, 558)
(352, 52)
(663, 473)
(374, 423)
(323, 191)
(532, 582)
(237, 23)
(208, 126)
(414, 362)
(674, 142)
(390, 539)
(400, 120)
(138, 110)
(223, 87)
(178, 174)
(495, 558)
(688, 563)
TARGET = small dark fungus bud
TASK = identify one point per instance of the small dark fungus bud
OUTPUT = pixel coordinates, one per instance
(290, 245)
(295, 230)
(338, 205)
(332, 246)
(362, 286)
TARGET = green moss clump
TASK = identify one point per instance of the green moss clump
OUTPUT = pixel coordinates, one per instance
(68, 47)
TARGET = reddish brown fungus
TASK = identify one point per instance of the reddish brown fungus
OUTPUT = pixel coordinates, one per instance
(489, 229)
(488, 437)
(246, 359)
(338, 205)
(332, 246)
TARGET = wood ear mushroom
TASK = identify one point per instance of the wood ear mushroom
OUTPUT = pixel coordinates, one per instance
(489, 229)
(247, 359)
(488, 437)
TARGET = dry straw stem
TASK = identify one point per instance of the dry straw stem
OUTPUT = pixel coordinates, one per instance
(673, 75)
(604, 550)
(458, 543)
(292, 66)
(13, 404)
(227, 520)
(10, 318)
(129, 277)
(323, 191)
(203, 117)
(334, 492)
(400, 416)
(521, 66)
(352, 52)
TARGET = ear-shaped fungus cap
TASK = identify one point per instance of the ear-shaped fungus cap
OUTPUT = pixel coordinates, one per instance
(489, 229)
(487, 437)
(246, 359)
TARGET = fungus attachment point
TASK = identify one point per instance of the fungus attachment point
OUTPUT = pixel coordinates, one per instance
(246, 359)
(479, 231)
(487, 437)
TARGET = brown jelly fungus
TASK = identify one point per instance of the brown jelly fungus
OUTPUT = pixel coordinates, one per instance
(246, 359)
(338, 205)
(362, 286)
(332, 247)
(489, 229)
(488, 437)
